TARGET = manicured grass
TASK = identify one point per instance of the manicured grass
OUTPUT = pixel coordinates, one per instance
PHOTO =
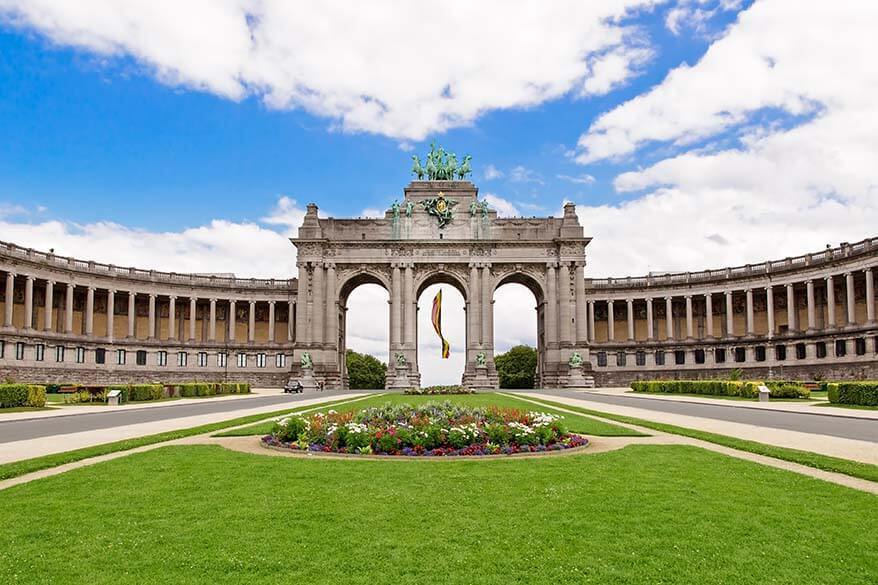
(17, 468)
(718, 396)
(644, 514)
(825, 462)
(577, 424)
(24, 409)
(853, 406)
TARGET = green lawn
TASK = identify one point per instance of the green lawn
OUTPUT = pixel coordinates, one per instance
(576, 423)
(853, 406)
(644, 514)
(719, 396)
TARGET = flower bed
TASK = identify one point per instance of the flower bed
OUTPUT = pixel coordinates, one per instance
(432, 430)
(438, 390)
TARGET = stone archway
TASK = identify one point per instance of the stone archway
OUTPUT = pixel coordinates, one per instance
(348, 284)
(471, 249)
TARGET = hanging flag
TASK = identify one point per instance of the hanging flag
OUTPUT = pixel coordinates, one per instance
(437, 323)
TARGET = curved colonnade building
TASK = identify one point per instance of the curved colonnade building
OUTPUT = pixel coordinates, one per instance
(808, 317)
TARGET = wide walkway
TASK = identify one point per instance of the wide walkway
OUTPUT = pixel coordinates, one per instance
(825, 421)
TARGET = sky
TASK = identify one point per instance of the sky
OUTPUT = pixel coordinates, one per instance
(691, 134)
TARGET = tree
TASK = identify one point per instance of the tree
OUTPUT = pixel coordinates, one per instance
(517, 367)
(364, 371)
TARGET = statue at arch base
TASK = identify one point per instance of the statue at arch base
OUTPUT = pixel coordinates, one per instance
(575, 376)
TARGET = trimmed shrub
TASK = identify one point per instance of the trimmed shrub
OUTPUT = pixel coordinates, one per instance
(144, 392)
(190, 389)
(787, 389)
(19, 395)
(859, 393)
(708, 387)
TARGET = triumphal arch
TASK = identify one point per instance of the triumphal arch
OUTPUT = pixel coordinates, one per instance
(441, 232)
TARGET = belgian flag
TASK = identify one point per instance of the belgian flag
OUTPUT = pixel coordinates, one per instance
(437, 323)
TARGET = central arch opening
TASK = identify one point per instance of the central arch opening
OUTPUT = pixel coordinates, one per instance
(364, 317)
(435, 370)
(518, 324)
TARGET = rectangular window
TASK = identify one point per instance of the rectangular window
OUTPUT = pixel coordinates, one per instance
(280, 360)
(602, 359)
(800, 351)
(162, 358)
(719, 355)
(202, 359)
(222, 359)
(100, 355)
(182, 359)
(621, 358)
(242, 360)
(260, 360)
(659, 357)
(140, 357)
(40, 353)
(640, 358)
(2, 349)
(59, 353)
(80, 355)
(760, 353)
(699, 356)
(120, 357)
(860, 345)
(680, 357)
(820, 349)
(740, 354)
(841, 348)
(19, 350)
(780, 352)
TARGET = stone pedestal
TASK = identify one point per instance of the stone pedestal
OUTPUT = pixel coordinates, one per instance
(307, 380)
(576, 379)
(481, 380)
(400, 378)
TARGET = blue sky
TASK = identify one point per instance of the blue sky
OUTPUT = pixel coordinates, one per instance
(691, 134)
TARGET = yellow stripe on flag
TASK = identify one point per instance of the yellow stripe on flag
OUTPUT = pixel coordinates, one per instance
(437, 323)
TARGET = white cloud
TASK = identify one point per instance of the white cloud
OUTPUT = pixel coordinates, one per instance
(613, 68)
(788, 186)
(384, 67)
(503, 207)
(11, 210)
(492, 172)
(697, 14)
(583, 179)
(522, 174)
(288, 214)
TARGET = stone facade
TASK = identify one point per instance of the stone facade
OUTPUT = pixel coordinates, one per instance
(65, 319)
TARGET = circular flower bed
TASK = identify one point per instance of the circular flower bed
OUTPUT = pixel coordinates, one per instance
(434, 390)
(432, 429)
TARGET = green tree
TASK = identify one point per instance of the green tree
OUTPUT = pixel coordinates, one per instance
(364, 371)
(517, 367)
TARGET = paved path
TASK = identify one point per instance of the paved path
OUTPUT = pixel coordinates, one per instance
(834, 424)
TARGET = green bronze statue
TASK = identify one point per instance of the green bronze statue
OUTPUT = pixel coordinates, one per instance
(575, 360)
(440, 208)
(441, 165)
(307, 364)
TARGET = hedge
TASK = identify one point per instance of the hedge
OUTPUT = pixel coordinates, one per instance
(189, 389)
(18, 395)
(787, 389)
(711, 387)
(860, 393)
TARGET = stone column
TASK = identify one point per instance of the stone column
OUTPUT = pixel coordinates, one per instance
(812, 314)
(581, 309)
(410, 305)
(50, 301)
(830, 303)
(751, 327)
(611, 323)
(649, 320)
(331, 305)
(111, 309)
(301, 330)
(791, 308)
(591, 336)
(630, 316)
(669, 317)
(551, 305)
(291, 320)
(565, 318)
(870, 297)
(172, 317)
(132, 298)
(233, 320)
(10, 299)
(90, 311)
(395, 306)
(474, 321)
(487, 308)
(193, 316)
(730, 315)
(271, 322)
(317, 304)
(851, 301)
(68, 309)
(708, 311)
(251, 322)
(29, 302)
(690, 325)
(151, 333)
(211, 326)
(769, 302)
